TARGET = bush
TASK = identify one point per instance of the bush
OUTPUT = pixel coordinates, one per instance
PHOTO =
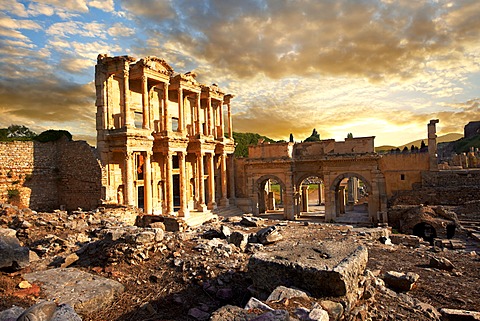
(52, 135)
(13, 193)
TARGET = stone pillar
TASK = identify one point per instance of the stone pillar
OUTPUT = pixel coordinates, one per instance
(341, 200)
(321, 192)
(305, 198)
(231, 175)
(432, 144)
(211, 182)
(145, 109)
(350, 195)
(289, 199)
(181, 122)
(201, 184)
(148, 207)
(220, 110)
(167, 122)
(199, 125)
(169, 183)
(271, 201)
(126, 98)
(210, 120)
(223, 179)
(128, 181)
(184, 211)
(226, 100)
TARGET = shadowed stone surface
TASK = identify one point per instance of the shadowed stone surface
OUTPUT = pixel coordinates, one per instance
(324, 269)
(85, 292)
(12, 254)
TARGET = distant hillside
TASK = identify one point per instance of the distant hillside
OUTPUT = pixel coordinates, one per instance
(440, 139)
(243, 140)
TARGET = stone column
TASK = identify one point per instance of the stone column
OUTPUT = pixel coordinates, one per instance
(199, 125)
(432, 144)
(231, 175)
(181, 121)
(350, 197)
(341, 200)
(226, 100)
(145, 109)
(220, 110)
(126, 99)
(305, 198)
(148, 184)
(223, 179)
(184, 211)
(167, 122)
(209, 116)
(169, 183)
(128, 181)
(211, 182)
(201, 184)
(321, 197)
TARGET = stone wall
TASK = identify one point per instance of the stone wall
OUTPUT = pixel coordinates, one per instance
(44, 176)
(403, 171)
(455, 187)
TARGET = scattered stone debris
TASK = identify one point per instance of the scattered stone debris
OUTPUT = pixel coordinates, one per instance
(226, 269)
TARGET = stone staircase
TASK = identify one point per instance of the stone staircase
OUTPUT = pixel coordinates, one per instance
(228, 211)
(471, 226)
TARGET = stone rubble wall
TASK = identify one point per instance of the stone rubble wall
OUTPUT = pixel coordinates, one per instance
(442, 188)
(44, 176)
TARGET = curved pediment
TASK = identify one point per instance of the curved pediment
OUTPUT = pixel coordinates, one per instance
(157, 64)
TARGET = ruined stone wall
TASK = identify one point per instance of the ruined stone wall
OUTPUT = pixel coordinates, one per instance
(355, 145)
(44, 176)
(277, 150)
(443, 188)
(403, 171)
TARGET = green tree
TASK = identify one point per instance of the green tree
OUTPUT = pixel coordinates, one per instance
(314, 137)
(291, 138)
(20, 131)
(243, 140)
(349, 135)
(53, 135)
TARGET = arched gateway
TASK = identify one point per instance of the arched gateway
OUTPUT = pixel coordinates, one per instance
(346, 172)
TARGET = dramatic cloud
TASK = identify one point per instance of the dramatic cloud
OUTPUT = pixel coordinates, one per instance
(372, 67)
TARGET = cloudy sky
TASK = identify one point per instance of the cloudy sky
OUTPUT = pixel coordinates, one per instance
(379, 68)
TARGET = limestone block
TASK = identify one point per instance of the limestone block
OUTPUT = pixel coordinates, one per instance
(12, 254)
(42, 311)
(282, 292)
(85, 292)
(269, 235)
(239, 239)
(441, 263)
(400, 281)
(324, 269)
(11, 314)
(459, 315)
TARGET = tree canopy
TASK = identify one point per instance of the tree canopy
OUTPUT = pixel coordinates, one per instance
(314, 137)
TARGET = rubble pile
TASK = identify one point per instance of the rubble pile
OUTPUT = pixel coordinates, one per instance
(90, 265)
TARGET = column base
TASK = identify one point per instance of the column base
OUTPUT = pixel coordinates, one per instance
(184, 212)
(224, 202)
(212, 206)
(201, 208)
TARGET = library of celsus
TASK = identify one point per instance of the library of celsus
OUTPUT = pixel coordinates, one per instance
(164, 128)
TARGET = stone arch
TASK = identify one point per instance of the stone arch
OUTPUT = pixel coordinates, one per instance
(259, 188)
(340, 206)
(301, 178)
(340, 177)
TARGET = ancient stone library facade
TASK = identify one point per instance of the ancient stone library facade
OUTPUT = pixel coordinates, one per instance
(161, 137)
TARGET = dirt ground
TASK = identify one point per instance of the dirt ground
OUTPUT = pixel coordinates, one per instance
(180, 277)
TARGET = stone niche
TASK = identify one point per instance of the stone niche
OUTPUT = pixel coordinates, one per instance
(324, 269)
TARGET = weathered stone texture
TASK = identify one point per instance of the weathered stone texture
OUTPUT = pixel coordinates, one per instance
(43, 176)
(323, 269)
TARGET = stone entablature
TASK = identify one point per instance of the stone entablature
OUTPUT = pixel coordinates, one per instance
(163, 139)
